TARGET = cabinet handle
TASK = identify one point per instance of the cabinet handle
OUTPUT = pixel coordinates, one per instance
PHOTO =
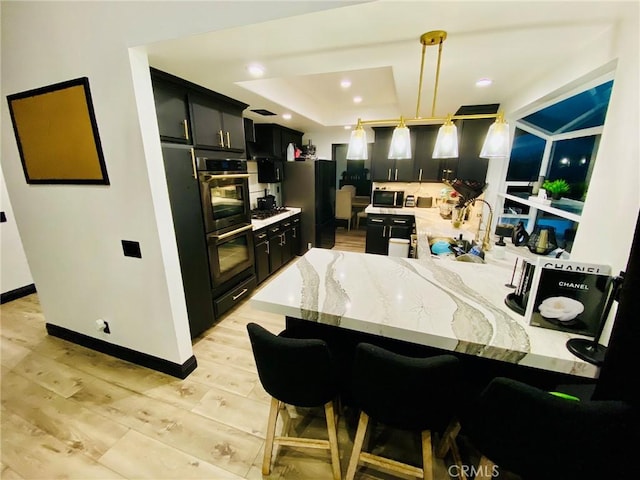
(283, 240)
(376, 220)
(228, 140)
(244, 290)
(268, 251)
(186, 129)
(420, 176)
(384, 231)
(389, 175)
(221, 138)
(278, 174)
(390, 230)
(396, 176)
(193, 164)
(295, 233)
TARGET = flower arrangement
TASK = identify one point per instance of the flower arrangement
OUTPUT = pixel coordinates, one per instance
(556, 187)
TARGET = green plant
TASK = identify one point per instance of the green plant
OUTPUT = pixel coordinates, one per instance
(557, 187)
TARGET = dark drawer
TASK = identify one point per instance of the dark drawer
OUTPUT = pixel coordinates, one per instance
(260, 235)
(235, 296)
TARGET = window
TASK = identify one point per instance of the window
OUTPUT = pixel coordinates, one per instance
(559, 141)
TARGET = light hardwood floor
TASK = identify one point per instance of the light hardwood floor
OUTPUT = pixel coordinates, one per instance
(71, 412)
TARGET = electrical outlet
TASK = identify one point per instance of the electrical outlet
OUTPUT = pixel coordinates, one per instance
(102, 326)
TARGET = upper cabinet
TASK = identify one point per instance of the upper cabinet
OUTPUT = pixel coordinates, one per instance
(384, 169)
(194, 115)
(172, 110)
(274, 139)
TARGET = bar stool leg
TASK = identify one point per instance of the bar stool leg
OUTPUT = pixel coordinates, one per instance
(357, 446)
(271, 433)
(333, 439)
(427, 456)
(485, 469)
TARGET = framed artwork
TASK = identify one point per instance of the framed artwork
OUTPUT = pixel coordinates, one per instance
(57, 134)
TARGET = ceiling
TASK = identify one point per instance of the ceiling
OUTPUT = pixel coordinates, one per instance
(376, 46)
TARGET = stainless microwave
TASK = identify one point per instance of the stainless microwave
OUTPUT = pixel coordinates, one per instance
(387, 198)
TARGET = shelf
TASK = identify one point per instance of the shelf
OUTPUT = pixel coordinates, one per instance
(559, 208)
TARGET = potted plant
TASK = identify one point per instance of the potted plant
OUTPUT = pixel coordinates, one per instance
(556, 188)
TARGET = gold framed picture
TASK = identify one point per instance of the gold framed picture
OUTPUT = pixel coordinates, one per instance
(57, 134)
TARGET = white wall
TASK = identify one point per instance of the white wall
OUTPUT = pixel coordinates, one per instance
(71, 234)
(14, 269)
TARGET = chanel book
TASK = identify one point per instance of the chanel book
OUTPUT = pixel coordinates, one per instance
(568, 296)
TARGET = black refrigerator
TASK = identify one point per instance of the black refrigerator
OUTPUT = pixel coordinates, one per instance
(311, 186)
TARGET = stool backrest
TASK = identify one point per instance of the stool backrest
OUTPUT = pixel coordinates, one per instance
(296, 371)
(406, 392)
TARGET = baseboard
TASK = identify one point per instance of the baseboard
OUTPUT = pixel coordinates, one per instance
(123, 353)
(17, 293)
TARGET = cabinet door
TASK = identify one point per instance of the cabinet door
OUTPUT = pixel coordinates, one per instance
(400, 227)
(207, 123)
(286, 235)
(270, 171)
(295, 240)
(377, 240)
(261, 251)
(470, 165)
(382, 169)
(184, 196)
(269, 138)
(275, 248)
(172, 111)
(425, 167)
(233, 127)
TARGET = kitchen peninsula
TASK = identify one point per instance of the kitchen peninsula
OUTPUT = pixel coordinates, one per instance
(434, 302)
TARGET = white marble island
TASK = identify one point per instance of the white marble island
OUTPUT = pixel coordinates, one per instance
(437, 302)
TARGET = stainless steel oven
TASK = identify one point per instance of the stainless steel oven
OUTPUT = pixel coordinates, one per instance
(230, 253)
(224, 189)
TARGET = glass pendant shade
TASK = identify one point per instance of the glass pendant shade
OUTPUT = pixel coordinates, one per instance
(357, 149)
(400, 143)
(446, 142)
(496, 144)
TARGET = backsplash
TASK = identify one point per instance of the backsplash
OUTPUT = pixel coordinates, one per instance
(418, 189)
(256, 189)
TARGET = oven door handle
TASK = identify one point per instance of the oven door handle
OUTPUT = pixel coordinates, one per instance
(206, 178)
(231, 233)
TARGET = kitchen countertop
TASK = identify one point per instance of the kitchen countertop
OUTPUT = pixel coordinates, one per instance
(258, 224)
(455, 306)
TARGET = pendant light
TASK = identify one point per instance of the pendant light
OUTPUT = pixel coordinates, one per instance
(400, 142)
(495, 145)
(447, 141)
(358, 144)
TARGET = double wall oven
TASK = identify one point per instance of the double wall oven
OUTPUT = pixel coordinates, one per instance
(224, 189)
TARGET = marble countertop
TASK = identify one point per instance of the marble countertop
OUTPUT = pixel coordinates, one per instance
(455, 306)
(258, 224)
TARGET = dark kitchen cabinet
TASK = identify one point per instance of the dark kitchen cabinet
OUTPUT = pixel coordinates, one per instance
(261, 247)
(426, 168)
(380, 228)
(276, 245)
(472, 134)
(274, 233)
(274, 139)
(184, 197)
(172, 109)
(384, 169)
(216, 125)
(270, 170)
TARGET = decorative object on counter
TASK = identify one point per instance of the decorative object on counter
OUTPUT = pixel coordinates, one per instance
(496, 143)
(503, 230)
(556, 188)
(410, 201)
(519, 236)
(543, 240)
(309, 152)
(291, 152)
(517, 300)
(535, 187)
(513, 275)
(591, 350)
(568, 296)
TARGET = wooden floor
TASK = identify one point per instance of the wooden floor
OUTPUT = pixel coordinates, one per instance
(71, 412)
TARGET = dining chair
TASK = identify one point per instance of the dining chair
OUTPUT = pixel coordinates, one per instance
(535, 434)
(350, 188)
(407, 393)
(344, 210)
(298, 372)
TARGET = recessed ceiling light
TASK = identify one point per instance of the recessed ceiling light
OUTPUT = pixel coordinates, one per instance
(484, 82)
(357, 99)
(256, 70)
(345, 83)
(347, 127)
(286, 116)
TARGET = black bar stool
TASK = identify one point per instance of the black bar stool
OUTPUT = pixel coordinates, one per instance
(296, 372)
(414, 394)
